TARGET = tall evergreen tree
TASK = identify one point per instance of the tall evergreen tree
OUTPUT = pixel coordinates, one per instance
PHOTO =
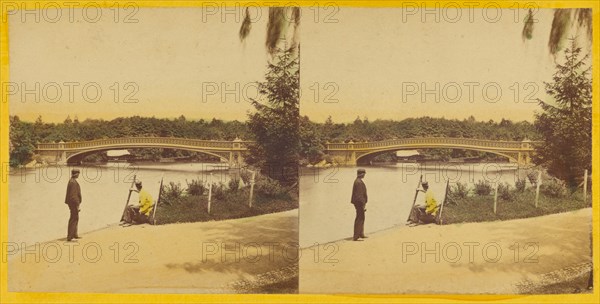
(275, 123)
(566, 123)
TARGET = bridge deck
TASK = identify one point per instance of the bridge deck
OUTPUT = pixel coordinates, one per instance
(128, 141)
(435, 141)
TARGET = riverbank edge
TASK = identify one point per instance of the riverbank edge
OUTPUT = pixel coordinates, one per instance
(109, 226)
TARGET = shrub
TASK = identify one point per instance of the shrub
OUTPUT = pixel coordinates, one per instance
(246, 175)
(483, 187)
(328, 159)
(506, 192)
(553, 188)
(457, 193)
(233, 184)
(460, 189)
(172, 192)
(520, 185)
(269, 187)
(532, 176)
(218, 191)
(195, 187)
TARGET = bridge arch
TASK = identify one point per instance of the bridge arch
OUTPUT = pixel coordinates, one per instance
(72, 152)
(350, 153)
(361, 158)
(77, 157)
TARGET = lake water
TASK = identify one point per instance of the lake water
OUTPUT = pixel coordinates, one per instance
(37, 211)
(326, 214)
(36, 207)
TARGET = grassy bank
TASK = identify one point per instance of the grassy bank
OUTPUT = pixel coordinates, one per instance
(475, 206)
(183, 205)
(481, 208)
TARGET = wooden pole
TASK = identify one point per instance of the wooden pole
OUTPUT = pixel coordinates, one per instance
(128, 198)
(157, 201)
(251, 188)
(416, 194)
(210, 183)
(537, 188)
(209, 195)
(440, 221)
(495, 197)
(585, 178)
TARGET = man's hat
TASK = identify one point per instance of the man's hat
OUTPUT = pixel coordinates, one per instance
(138, 183)
(425, 184)
(361, 170)
(74, 171)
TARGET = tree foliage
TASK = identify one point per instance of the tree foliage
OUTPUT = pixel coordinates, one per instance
(22, 141)
(275, 123)
(365, 130)
(283, 23)
(565, 123)
(564, 21)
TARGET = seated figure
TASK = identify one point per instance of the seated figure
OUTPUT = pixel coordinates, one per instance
(141, 213)
(426, 211)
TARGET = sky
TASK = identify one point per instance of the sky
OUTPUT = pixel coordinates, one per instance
(172, 62)
(384, 63)
(379, 63)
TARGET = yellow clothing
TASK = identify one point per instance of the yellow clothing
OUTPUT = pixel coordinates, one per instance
(146, 203)
(431, 206)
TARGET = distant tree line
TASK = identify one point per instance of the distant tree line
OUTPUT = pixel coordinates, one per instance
(315, 135)
(24, 135)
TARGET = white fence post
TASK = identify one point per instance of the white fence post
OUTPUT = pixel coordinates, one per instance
(495, 197)
(537, 188)
(251, 188)
(210, 183)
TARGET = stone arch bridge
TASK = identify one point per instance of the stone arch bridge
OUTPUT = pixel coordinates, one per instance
(356, 153)
(74, 152)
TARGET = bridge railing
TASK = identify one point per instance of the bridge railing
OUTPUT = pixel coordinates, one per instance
(145, 140)
(47, 146)
(427, 140)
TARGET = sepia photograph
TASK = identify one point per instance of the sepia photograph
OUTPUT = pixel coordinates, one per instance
(153, 150)
(299, 152)
(450, 152)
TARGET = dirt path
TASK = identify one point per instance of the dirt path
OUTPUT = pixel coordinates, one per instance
(241, 255)
(508, 257)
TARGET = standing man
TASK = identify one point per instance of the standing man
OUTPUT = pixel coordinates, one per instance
(426, 211)
(73, 200)
(359, 200)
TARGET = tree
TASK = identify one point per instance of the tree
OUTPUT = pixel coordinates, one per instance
(22, 141)
(311, 142)
(281, 20)
(566, 124)
(564, 21)
(275, 124)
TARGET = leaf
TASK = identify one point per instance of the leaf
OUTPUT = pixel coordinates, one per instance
(560, 24)
(246, 26)
(528, 26)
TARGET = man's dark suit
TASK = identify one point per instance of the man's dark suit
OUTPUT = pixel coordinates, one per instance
(359, 200)
(73, 199)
